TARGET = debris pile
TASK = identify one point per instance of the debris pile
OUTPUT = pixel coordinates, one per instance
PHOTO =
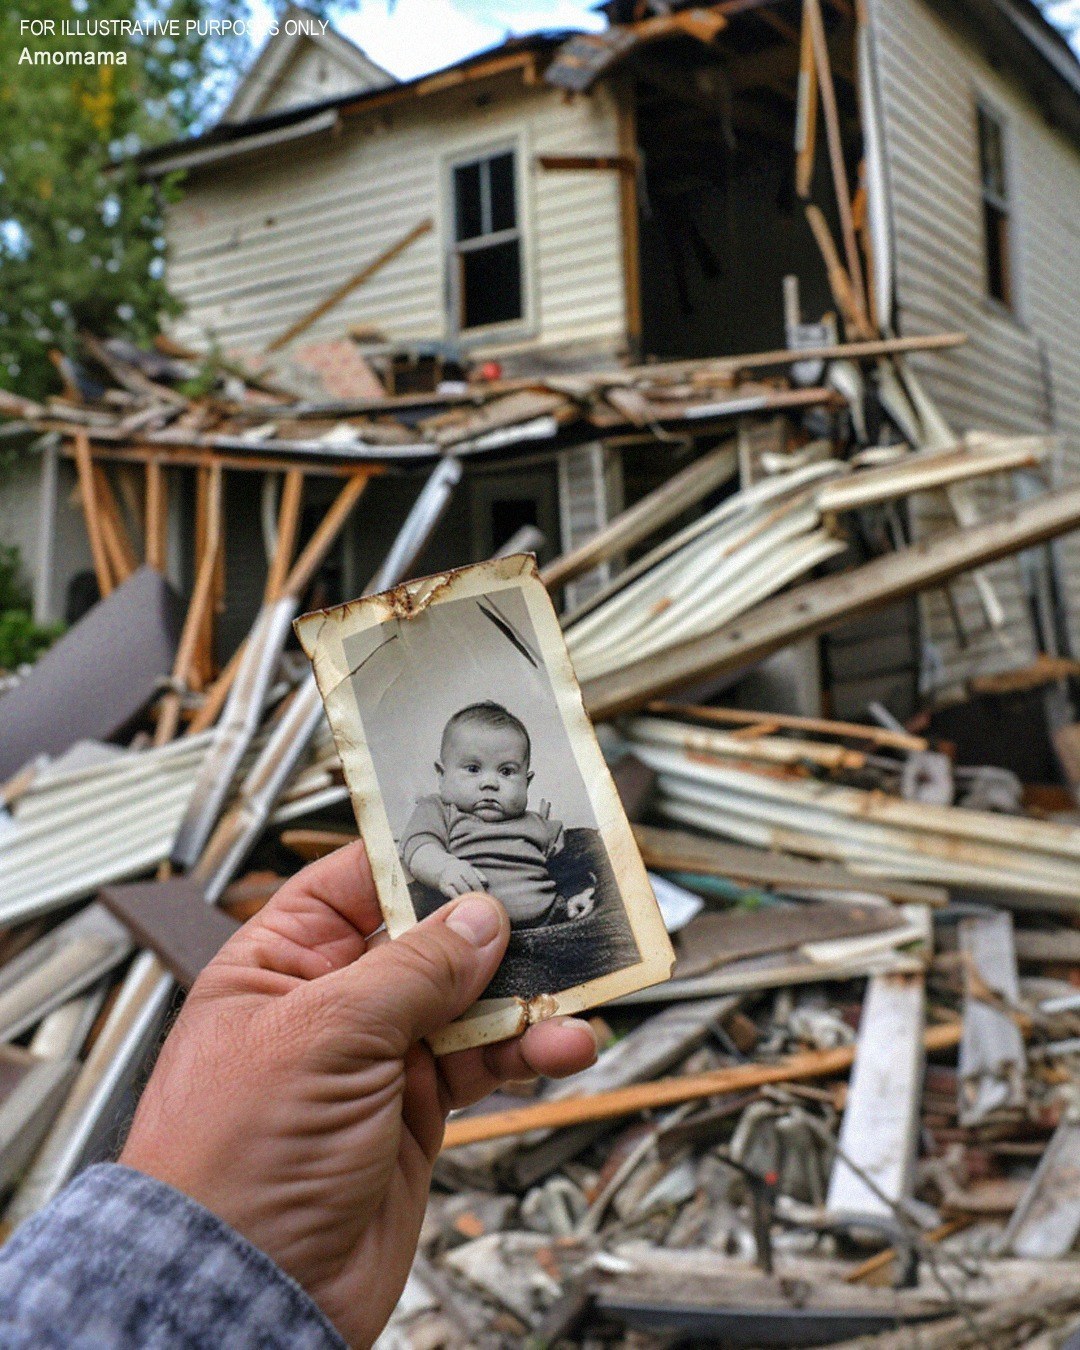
(854, 1106)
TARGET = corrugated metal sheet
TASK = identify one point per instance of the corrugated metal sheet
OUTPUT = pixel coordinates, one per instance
(257, 244)
(1016, 373)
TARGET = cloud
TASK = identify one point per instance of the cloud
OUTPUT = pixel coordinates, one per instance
(417, 36)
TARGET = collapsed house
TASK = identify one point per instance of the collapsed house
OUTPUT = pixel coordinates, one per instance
(853, 1108)
(565, 203)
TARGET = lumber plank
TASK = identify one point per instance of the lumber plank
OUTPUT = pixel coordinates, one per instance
(680, 851)
(122, 556)
(1046, 1222)
(311, 559)
(669, 1092)
(157, 513)
(91, 513)
(294, 584)
(640, 520)
(292, 491)
(880, 1128)
(765, 723)
(992, 1060)
(201, 599)
(817, 605)
(354, 282)
(834, 142)
(805, 109)
(313, 844)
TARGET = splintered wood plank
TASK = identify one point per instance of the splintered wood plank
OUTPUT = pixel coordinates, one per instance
(815, 606)
(681, 851)
(806, 109)
(992, 1059)
(311, 559)
(157, 513)
(766, 723)
(354, 282)
(714, 939)
(636, 523)
(834, 141)
(1046, 1223)
(294, 584)
(88, 494)
(288, 523)
(879, 1131)
(200, 604)
(118, 545)
(668, 1091)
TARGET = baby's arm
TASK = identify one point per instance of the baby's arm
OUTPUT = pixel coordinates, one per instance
(437, 868)
(425, 852)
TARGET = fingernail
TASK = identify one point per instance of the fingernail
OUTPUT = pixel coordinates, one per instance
(476, 919)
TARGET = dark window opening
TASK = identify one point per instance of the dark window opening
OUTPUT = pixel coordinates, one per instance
(508, 515)
(995, 205)
(487, 242)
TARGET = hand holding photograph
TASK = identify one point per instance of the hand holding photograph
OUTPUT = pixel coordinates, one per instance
(472, 765)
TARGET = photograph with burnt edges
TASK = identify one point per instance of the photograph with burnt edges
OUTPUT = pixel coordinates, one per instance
(473, 767)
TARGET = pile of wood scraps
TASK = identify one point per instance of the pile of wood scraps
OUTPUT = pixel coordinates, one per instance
(853, 1107)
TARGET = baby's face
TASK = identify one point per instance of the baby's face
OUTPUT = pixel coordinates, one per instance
(485, 772)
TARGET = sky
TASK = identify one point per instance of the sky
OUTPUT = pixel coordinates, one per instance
(412, 37)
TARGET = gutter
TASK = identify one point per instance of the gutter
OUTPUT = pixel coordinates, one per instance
(198, 156)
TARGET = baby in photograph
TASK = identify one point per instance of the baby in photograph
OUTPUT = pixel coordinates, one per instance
(478, 834)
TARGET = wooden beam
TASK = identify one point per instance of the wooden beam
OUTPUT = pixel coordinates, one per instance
(157, 514)
(347, 287)
(843, 292)
(196, 457)
(311, 559)
(817, 605)
(200, 604)
(629, 224)
(667, 850)
(836, 158)
(806, 110)
(588, 163)
(879, 1131)
(295, 583)
(640, 520)
(765, 724)
(729, 367)
(288, 523)
(91, 513)
(668, 1092)
(122, 556)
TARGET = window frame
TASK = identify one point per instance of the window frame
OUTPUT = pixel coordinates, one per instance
(460, 156)
(1003, 204)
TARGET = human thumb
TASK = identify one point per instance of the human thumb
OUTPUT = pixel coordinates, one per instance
(411, 987)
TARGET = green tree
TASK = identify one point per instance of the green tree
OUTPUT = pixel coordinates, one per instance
(81, 242)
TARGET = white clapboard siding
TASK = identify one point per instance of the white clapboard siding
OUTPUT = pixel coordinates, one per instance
(310, 75)
(255, 243)
(1019, 373)
(589, 495)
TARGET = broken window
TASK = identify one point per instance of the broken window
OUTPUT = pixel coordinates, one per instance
(995, 199)
(487, 241)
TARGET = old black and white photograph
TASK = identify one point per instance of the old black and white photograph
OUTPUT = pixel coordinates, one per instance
(472, 766)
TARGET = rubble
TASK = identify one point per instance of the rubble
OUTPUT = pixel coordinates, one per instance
(852, 1109)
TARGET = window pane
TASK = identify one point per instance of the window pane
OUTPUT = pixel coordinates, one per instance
(998, 280)
(467, 213)
(991, 154)
(491, 284)
(503, 205)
